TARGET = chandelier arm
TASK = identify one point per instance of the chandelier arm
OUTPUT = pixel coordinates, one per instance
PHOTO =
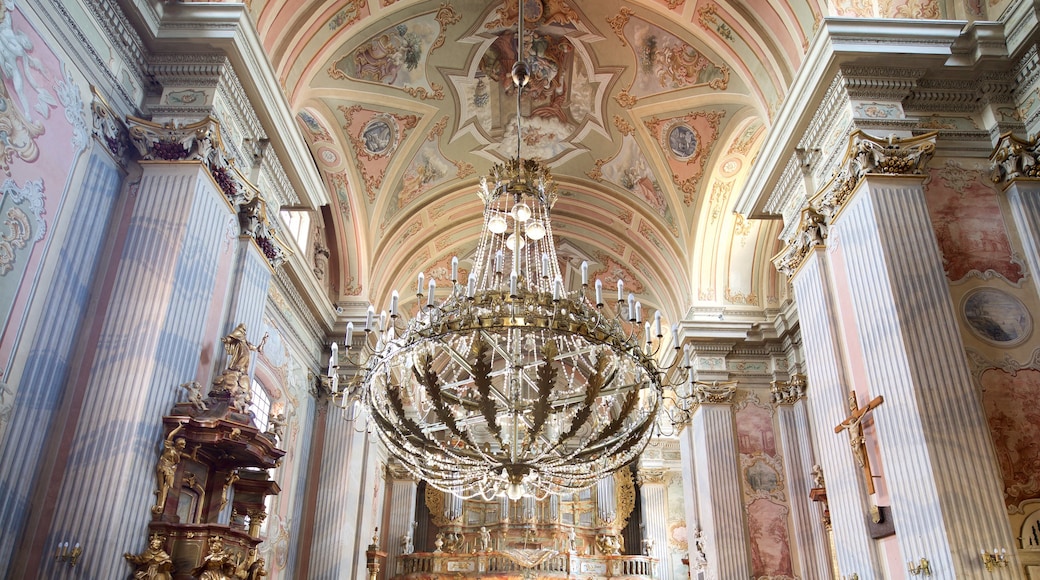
(595, 383)
(428, 378)
(546, 375)
(626, 444)
(482, 379)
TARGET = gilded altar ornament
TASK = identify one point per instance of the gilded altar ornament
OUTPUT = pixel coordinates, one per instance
(173, 451)
(153, 563)
(230, 481)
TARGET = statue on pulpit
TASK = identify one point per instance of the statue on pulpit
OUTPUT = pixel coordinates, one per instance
(235, 378)
(217, 565)
(153, 563)
(166, 468)
(572, 541)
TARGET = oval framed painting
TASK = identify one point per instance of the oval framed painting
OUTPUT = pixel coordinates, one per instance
(997, 317)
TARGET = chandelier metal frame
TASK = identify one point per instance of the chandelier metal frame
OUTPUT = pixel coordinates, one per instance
(512, 384)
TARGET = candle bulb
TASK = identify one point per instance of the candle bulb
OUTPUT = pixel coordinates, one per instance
(512, 283)
(349, 339)
(557, 289)
(394, 298)
(454, 268)
(686, 356)
(646, 332)
(657, 324)
(675, 335)
(584, 273)
(419, 286)
(639, 312)
(599, 292)
(368, 318)
(382, 321)
(631, 307)
(430, 293)
(545, 265)
(620, 290)
(471, 286)
(333, 359)
(499, 260)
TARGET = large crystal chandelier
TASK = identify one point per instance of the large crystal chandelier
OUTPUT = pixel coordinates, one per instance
(508, 382)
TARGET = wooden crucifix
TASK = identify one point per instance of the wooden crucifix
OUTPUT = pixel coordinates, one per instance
(853, 424)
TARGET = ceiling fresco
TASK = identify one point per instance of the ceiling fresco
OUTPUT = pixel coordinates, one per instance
(648, 112)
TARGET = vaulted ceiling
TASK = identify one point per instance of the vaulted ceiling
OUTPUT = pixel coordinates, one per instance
(649, 113)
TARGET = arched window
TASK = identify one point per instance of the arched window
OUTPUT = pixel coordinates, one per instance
(261, 406)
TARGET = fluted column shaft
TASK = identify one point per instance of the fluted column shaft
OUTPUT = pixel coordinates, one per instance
(336, 536)
(825, 362)
(946, 492)
(811, 557)
(1024, 199)
(24, 447)
(402, 490)
(719, 492)
(149, 341)
(654, 501)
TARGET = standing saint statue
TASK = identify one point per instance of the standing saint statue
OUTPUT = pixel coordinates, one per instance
(153, 563)
(239, 349)
(173, 450)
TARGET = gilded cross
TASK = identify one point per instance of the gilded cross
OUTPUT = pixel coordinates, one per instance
(853, 424)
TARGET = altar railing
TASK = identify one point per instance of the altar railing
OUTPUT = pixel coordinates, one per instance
(518, 564)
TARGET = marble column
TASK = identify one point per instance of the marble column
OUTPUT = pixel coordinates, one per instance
(947, 497)
(149, 340)
(719, 501)
(337, 536)
(825, 363)
(654, 503)
(400, 531)
(811, 558)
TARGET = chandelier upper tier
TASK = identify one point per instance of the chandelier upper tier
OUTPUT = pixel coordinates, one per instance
(511, 384)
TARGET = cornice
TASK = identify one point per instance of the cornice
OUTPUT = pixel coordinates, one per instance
(864, 50)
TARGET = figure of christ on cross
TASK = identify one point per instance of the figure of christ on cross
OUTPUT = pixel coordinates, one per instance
(853, 424)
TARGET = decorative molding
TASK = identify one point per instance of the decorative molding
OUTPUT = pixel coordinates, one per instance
(788, 392)
(810, 233)
(1014, 158)
(108, 128)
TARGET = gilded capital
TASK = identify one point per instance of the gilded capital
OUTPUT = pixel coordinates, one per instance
(650, 476)
(868, 155)
(811, 232)
(788, 392)
(714, 392)
(1012, 159)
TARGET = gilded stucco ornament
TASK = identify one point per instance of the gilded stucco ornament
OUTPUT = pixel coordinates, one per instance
(1013, 158)
(714, 392)
(811, 233)
(868, 155)
(788, 392)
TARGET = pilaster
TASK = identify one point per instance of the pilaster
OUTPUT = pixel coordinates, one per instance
(654, 503)
(826, 364)
(400, 533)
(719, 490)
(161, 292)
(1015, 168)
(946, 495)
(811, 557)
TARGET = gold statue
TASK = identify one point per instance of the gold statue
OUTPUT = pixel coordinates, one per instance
(853, 425)
(217, 565)
(239, 348)
(231, 479)
(153, 563)
(173, 451)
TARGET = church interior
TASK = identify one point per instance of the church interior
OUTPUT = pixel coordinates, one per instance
(707, 289)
